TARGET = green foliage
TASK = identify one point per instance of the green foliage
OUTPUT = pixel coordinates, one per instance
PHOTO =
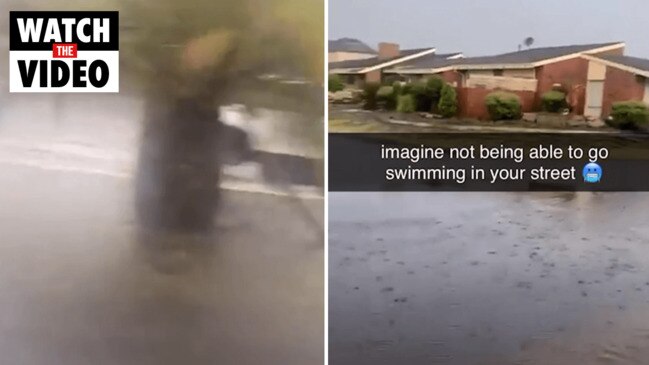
(554, 101)
(406, 104)
(203, 49)
(426, 94)
(398, 89)
(406, 89)
(434, 87)
(420, 96)
(384, 92)
(389, 95)
(447, 105)
(386, 97)
(335, 83)
(629, 115)
(503, 105)
(370, 90)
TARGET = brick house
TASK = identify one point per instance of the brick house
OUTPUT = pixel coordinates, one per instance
(528, 73)
(612, 79)
(347, 49)
(424, 67)
(359, 71)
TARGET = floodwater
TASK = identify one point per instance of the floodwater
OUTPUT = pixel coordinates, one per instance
(80, 285)
(489, 278)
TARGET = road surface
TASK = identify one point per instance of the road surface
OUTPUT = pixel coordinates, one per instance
(489, 278)
(80, 284)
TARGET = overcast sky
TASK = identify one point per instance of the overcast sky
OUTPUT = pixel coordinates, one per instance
(484, 27)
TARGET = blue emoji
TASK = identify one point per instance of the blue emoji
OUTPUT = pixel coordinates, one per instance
(592, 173)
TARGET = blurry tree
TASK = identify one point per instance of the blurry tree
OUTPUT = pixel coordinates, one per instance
(191, 56)
(187, 58)
(529, 41)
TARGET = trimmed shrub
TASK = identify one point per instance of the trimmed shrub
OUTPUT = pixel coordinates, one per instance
(398, 88)
(406, 104)
(426, 94)
(447, 105)
(386, 97)
(629, 115)
(503, 106)
(335, 83)
(434, 87)
(406, 89)
(554, 101)
(369, 95)
(420, 95)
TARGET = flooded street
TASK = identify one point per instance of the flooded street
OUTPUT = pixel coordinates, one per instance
(79, 284)
(489, 278)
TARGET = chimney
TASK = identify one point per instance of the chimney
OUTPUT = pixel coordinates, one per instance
(388, 50)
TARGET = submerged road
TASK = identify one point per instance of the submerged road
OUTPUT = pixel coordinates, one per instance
(489, 278)
(80, 285)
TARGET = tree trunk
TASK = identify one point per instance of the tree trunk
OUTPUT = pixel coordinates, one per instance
(177, 187)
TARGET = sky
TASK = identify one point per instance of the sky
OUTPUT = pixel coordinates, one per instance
(486, 27)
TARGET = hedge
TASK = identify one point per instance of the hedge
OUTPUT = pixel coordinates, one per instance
(554, 101)
(434, 87)
(406, 104)
(420, 96)
(503, 106)
(369, 95)
(386, 97)
(447, 105)
(629, 115)
(335, 83)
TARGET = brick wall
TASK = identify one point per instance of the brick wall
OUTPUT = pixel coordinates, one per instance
(572, 74)
(451, 77)
(472, 102)
(373, 76)
(388, 50)
(620, 86)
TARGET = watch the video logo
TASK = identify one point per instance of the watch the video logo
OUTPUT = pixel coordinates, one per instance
(64, 51)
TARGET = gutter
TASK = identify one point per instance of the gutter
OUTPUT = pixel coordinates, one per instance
(398, 60)
(620, 66)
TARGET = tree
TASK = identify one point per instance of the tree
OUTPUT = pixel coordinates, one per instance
(448, 101)
(191, 57)
(529, 41)
(185, 59)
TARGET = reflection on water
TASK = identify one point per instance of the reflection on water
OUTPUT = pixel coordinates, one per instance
(500, 278)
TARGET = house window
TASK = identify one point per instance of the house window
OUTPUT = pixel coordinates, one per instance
(498, 72)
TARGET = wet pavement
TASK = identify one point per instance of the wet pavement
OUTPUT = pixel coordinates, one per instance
(81, 284)
(489, 278)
